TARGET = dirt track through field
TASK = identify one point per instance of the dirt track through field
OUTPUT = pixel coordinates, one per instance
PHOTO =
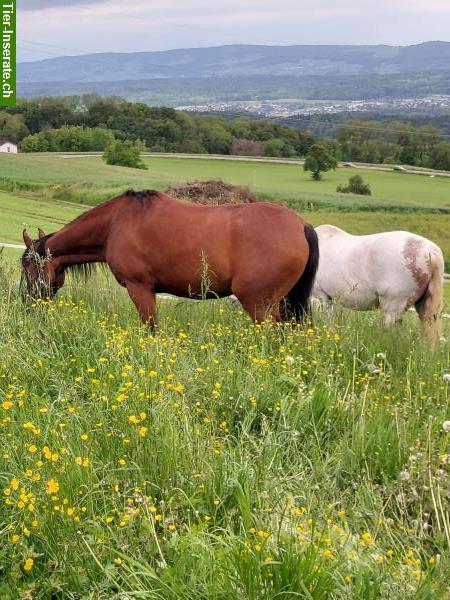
(18, 246)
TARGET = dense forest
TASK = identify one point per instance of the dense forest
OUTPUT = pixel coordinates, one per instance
(90, 123)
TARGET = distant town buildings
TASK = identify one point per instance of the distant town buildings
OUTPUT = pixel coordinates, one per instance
(290, 108)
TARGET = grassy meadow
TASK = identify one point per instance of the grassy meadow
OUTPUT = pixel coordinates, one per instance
(16, 211)
(217, 459)
(94, 180)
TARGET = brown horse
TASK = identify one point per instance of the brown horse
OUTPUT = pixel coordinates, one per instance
(152, 243)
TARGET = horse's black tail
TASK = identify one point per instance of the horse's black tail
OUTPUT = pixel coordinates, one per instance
(297, 301)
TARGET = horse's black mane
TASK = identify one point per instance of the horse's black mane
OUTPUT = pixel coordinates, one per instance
(144, 196)
(40, 244)
(85, 270)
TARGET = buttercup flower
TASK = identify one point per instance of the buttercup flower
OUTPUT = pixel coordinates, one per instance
(52, 486)
(28, 564)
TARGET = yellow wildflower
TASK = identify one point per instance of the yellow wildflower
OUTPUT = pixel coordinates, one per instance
(52, 486)
(28, 564)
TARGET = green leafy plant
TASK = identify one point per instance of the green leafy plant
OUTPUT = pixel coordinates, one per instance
(124, 154)
(356, 185)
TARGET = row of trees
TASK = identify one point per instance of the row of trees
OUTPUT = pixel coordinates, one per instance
(51, 124)
(68, 138)
(88, 122)
(377, 142)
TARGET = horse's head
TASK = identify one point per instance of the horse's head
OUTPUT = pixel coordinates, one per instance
(39, 275)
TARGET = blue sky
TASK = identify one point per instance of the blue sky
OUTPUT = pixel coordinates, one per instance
(48, 28)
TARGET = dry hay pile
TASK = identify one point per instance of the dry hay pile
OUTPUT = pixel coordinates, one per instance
(213, 191)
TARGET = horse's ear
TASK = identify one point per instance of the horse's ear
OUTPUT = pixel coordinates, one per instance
(41, 234)
(27, 240)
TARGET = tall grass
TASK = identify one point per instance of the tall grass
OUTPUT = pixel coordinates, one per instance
(218, 459)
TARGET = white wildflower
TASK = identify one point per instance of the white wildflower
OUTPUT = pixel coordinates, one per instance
(404, 475)
(446, 426)
(446, 377)
(289, 360)
(381, 355)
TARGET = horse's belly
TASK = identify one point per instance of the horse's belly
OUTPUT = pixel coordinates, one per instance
(194, 289)
(356, 297)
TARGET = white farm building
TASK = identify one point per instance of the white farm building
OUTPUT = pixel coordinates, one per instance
(7, 146)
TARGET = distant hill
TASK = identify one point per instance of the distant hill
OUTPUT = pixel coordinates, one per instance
(241, 60)
(176, 91)
(202, 75)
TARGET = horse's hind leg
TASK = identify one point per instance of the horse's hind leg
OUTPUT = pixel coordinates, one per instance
(428, 308)
(430, 305)
(144, 299)
(259, 309)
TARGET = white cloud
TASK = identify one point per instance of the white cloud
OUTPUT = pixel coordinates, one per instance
(36, 5)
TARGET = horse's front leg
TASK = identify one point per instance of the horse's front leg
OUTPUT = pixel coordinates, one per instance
(144, 299)
(392, 309)
(325, 302)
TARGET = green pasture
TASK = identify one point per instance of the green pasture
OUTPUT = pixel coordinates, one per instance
(18, 211)
(290, 182)
(88, 179)
(447, 294)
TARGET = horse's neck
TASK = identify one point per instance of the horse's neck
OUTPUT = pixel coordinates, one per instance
(82, 240)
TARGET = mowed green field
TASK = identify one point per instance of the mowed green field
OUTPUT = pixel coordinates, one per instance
(275, 180)
(19, 211)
